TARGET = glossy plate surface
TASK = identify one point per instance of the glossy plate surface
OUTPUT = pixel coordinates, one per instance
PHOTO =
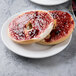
(49, 2)
(32, 50)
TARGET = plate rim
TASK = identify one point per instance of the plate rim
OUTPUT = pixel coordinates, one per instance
(48, 4)
(28, 55)
(34, 56)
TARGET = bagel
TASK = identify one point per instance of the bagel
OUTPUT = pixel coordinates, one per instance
(30, 27)
(63, 28)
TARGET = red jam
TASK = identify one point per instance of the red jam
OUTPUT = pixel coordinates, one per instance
(64, 23)
(33, 33)
(39, 20)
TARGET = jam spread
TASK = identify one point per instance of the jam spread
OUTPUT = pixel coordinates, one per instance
(39, 21)
(63, 25)
(33, 33)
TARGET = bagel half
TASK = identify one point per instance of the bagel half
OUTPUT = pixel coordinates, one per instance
(63, 28)
(30, 27)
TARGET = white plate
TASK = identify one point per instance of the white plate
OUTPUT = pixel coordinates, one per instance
(32, 50)
(49, 2)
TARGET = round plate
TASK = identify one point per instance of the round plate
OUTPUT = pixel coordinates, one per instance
(49, 2)
(32, 50)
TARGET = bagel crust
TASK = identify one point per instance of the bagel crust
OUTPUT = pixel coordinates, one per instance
(63, 28)
(30, 27)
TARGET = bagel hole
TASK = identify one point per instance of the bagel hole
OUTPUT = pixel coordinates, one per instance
(29, 26)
